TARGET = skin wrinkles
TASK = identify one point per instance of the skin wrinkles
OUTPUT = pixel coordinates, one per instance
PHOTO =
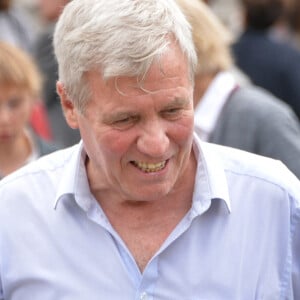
(172, 110)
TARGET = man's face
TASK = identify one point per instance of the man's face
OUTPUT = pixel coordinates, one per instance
(139, 141)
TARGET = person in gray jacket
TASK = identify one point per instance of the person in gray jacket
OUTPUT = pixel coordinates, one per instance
(232, 113)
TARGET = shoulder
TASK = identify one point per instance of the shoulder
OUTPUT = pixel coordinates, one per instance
(258, 96)
(259, 110)
(45, 147)
(256, 169)
(31, 191)
(259, 103)
(41, 171)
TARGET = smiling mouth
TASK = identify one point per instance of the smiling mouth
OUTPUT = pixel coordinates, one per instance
(149, 167)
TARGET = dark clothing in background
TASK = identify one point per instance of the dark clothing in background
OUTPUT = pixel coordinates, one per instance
(270, 64)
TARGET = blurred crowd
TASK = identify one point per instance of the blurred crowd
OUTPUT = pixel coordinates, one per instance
(29, 25)
(262, 38)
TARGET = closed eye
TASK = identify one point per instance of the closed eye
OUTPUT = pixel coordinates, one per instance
(14, 103)
(125, 123)
(172, 110)
(172, 113)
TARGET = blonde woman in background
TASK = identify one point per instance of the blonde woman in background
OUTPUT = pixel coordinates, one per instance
(20, 86)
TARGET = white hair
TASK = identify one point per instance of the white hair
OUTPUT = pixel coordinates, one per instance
(116, 38)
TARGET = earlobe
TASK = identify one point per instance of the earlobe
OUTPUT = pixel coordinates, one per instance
(67, 105)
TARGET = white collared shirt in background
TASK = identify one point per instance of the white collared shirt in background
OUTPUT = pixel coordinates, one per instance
(210, 106)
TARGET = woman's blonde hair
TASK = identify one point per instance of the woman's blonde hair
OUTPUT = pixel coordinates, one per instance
(17, 68)
(212, 40)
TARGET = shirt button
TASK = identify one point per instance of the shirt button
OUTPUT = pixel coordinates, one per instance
(144, 296)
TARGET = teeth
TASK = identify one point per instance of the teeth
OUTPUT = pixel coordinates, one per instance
(145, 167)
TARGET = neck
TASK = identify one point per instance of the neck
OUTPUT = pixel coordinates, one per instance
(139, 214)
(145, 226)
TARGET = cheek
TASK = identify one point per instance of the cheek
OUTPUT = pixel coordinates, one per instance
(117, 142)
(182, 132)
(103, 139)
(22, 115)
(27, 109)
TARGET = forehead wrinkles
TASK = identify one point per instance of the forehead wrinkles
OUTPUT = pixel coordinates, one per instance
(169, 71)
(149, 87)
(156, 81)
(129, 87)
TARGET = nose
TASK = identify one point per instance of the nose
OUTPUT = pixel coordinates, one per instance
(153, 140)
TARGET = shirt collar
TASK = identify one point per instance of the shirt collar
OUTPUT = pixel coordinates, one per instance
(210, 180)
(209, 108)
(74, 182)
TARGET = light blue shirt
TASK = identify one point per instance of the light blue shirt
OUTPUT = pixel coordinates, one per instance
(239, 241)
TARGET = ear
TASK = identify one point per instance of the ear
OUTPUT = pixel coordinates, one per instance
(67, 105)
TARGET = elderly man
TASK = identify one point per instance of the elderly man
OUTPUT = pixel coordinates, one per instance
(141, 208)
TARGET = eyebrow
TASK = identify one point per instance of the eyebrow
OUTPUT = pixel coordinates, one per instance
(178, 101)
(108, 119)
